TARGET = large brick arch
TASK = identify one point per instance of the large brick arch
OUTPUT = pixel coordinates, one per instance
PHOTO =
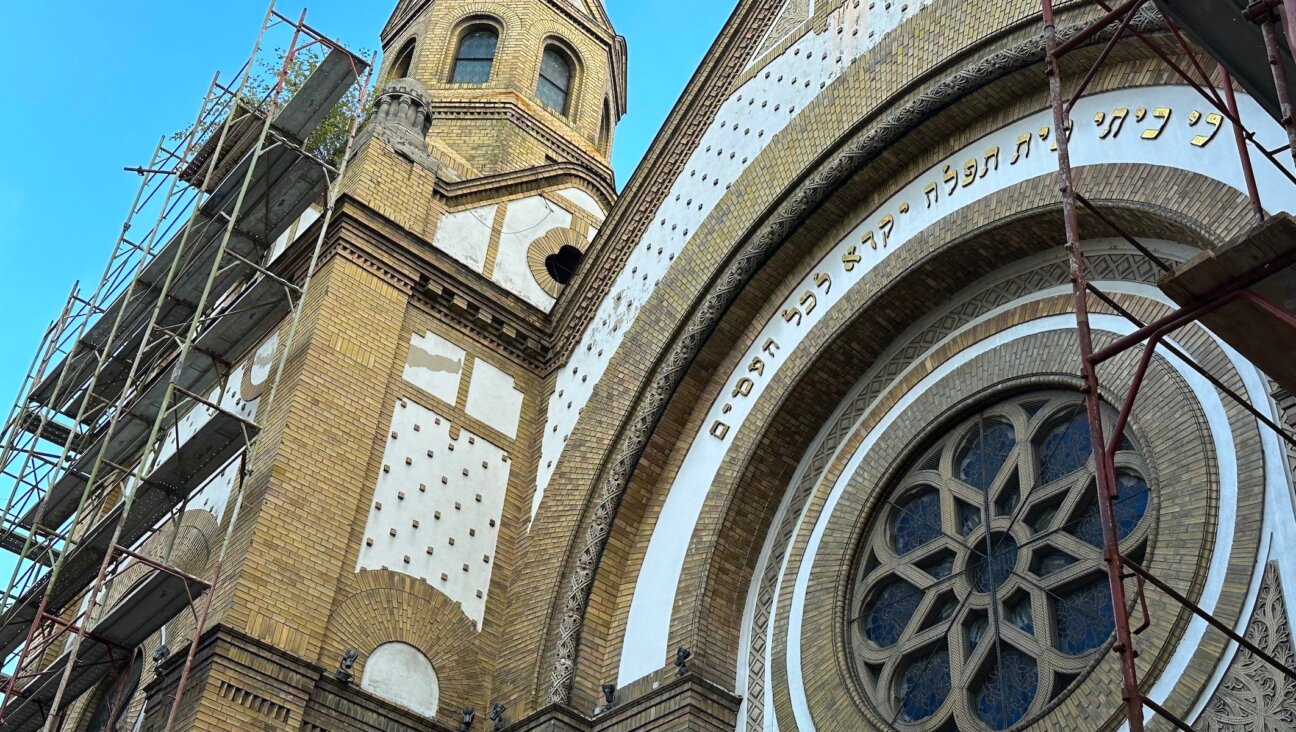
(726, 253)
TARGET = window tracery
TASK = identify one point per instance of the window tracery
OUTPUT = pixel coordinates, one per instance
(980, 595)
(475, 56)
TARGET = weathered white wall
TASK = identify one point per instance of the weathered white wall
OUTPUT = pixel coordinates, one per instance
(583, 200)
(465, 235)
(435, 365)
(525, 221)
(231, 397)
(400, 673)
(494, 398)
(437, 506)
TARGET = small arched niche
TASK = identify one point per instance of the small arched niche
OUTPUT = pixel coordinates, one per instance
(403, 59)
(401, 674)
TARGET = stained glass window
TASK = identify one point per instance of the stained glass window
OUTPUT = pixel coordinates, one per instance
(917, 521)
(973, 549)
(1084, 617)
(891, 612)
(1066, 448)
(986, 454)
(554, 84)
(969, 518)
(1006, 693)
(924, 685)
(1131, 503)
(990, 571)
(1019, 614)
(475, 57)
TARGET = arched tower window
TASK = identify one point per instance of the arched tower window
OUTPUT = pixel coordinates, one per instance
(605, 127)
(554, 86)
(400, 68)
(476, 55)
(400, 673)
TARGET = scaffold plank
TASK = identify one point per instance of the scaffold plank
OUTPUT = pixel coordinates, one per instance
(284, 182)
(243, 324)
(176, 476)
(1256, 332)
(152, 603)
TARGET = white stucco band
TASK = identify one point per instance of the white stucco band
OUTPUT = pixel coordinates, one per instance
(904, 215)
(747, 122)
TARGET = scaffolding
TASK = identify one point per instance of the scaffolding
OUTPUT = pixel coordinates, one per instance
(115, 426)
(1229, 289)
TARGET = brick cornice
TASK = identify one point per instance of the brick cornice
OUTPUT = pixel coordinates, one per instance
(513, 108)
(432, 280)
(491, 187)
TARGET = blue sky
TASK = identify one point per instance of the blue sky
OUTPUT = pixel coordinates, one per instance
(91, 85)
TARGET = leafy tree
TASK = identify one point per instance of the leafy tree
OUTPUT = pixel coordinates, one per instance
(328, 142)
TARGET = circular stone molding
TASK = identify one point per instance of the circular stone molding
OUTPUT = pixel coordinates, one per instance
(980, 593)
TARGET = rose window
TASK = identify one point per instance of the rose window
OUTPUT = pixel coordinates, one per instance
(981, 596)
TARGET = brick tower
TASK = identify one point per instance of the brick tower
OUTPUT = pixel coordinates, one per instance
(397, 465)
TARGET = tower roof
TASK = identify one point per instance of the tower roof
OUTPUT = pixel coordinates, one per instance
(407, 9)
(592, 8)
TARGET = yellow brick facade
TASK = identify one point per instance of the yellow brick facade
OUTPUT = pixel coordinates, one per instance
(438, 277)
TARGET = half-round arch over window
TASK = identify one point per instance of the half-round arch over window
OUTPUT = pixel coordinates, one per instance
(981, 597)
(554, 86)
(475, 56)
(400, 673)
(112, 714)
(404, 58)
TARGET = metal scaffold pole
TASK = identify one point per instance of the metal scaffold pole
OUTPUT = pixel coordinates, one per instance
(1106, 474)
(95, 445)
(1150, 336)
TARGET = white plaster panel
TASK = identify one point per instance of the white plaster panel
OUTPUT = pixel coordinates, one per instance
(583, 200)
(215, 493)
(649, 619)
(526, 220)
(746, 123)
(400, 673)
(494, 398)
(434, 365)
(310, 216)
(465, 235)
(437, 507)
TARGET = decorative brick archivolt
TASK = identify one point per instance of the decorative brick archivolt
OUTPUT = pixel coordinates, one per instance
(852, 156)
(707, 607)
(818, 649)
(387, 606)
(869, 328)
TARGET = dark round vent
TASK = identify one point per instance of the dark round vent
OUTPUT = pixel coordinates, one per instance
(562, 264)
